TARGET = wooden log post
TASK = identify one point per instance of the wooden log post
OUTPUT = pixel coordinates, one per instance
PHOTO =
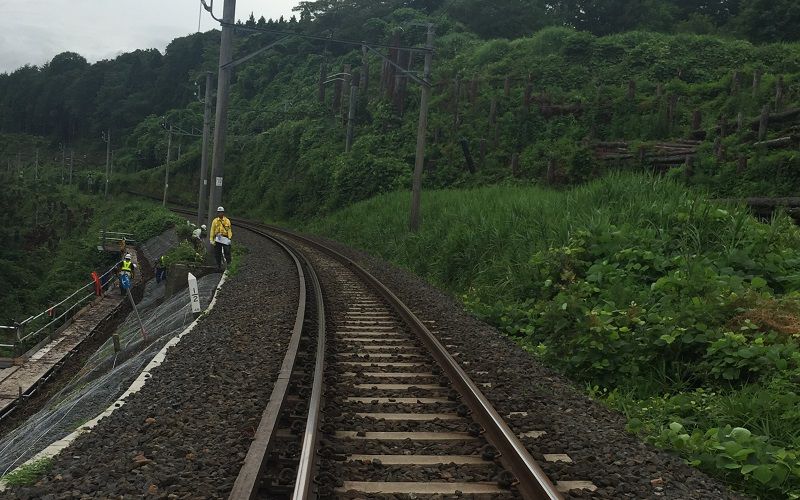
(401, 81)
(515, 165)
(763, 123)
(337, 96)
(688, 166)
(473, 90)
(482, 153)
(718, 149)
(456, 102)
(345, 88)
(493, 112)
(741, 164)
(321, 90)
(756, 81)
(363, 85)
(631, 90)
(739, 122)
(526, 96)
(723, 126)
(735, 83)
(467, 155)
(551, 171)
(507, 86)
(779, 93)
(672, 110)
(697, 119)
(394, 56)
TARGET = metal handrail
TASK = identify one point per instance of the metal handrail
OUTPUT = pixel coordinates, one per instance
(19, 327)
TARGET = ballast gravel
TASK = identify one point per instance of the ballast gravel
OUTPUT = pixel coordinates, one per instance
(534, 398)
(186, 433)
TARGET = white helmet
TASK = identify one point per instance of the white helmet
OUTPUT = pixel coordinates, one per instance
(203, 226)
(220, 209)
(128, 256)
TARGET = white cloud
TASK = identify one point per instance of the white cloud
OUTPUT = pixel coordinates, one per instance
(33, 31)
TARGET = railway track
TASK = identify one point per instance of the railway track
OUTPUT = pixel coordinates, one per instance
(369, 404)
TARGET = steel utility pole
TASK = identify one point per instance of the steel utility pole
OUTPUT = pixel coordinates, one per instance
(422, 126)
(201, 197)
(166, 167)
(108, 160)
(223, 90)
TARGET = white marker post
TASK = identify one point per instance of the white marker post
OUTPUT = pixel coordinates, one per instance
(194, 295)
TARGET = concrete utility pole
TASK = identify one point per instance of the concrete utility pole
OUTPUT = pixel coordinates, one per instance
(422, 126)
(223, 90)
(201, 197)
(108, 160)
(166, 167)
(351, 114)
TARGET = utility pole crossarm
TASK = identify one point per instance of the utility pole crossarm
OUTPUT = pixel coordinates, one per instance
(404, 71)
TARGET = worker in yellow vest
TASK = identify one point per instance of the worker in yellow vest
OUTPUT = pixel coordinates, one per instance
(220, 236)
(126, 271)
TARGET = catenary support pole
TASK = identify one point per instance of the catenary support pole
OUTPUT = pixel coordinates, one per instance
(221, 120)
(416, 185)
(166, 167)
(201, 197)
(108, 160)
(351, 114)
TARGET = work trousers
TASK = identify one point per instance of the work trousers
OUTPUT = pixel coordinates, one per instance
(219, 248)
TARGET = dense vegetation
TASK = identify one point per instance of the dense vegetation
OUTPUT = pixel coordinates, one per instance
(286, 150)
(49, 248)
(680, 312)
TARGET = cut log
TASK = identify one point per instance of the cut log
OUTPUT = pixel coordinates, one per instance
(781, 142)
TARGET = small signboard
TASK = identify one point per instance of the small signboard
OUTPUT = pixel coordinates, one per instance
(194, 294)
(219, 181)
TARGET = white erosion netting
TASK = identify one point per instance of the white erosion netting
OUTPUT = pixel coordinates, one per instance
(158, 246)
(106, 375)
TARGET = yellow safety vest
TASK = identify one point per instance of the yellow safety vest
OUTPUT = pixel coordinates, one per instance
(127, 265)
(221, 227)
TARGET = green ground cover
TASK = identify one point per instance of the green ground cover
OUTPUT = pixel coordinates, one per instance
(682, 313)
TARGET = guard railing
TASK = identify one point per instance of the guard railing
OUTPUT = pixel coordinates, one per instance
(32, 329)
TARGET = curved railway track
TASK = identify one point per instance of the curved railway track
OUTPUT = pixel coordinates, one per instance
(369, 403)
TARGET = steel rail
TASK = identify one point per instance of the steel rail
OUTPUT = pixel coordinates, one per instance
(308, 454)
(247, 482)
(532, 482)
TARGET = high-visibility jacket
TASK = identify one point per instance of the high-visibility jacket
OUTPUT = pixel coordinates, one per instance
(221, 226)
(127, 266)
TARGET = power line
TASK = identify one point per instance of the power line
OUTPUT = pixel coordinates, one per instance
(359, 43)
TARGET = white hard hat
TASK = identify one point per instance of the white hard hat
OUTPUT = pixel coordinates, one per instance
(220, 209)
(127, 256)
(203, 226)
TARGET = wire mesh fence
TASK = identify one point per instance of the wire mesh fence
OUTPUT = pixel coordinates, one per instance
(109, 371)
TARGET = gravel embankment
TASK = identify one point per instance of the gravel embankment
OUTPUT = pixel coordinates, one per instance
(185, 434)
(593, 436)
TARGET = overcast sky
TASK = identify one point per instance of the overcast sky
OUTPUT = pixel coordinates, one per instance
(33, 31)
